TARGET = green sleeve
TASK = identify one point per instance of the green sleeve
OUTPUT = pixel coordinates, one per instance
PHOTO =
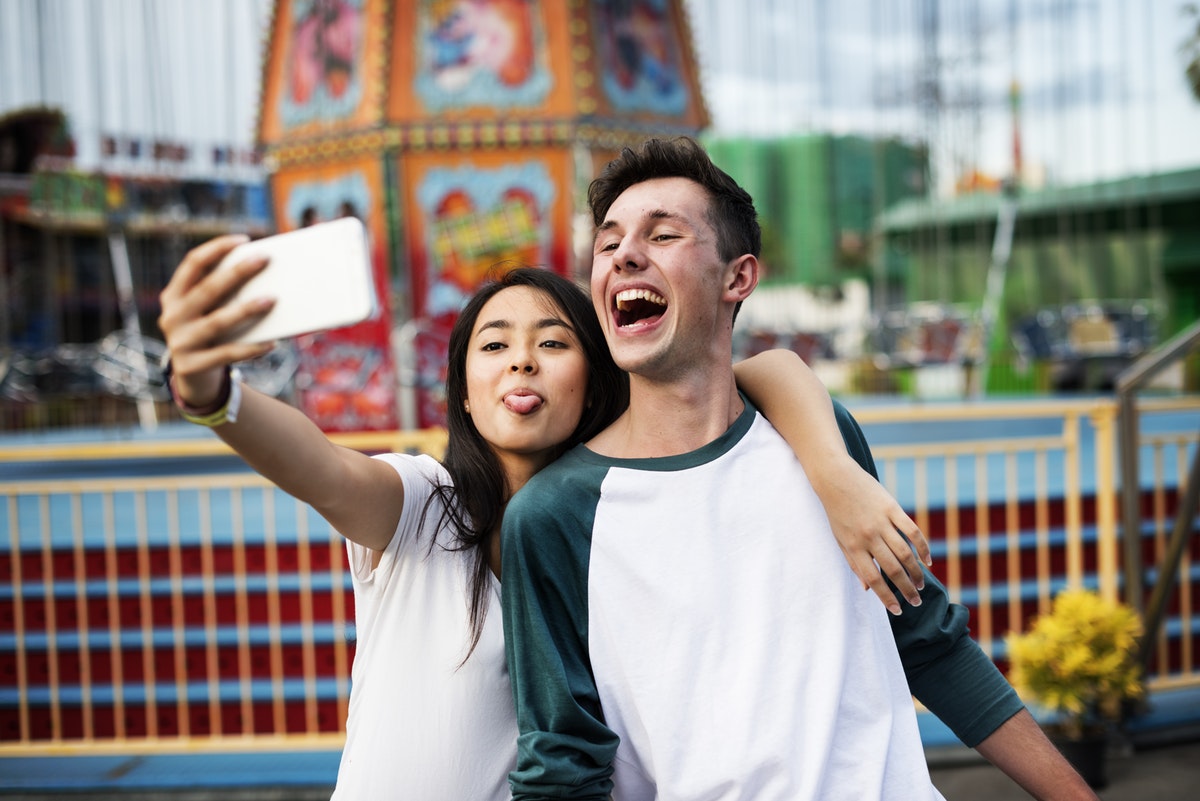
(564, 750)
(946, 669)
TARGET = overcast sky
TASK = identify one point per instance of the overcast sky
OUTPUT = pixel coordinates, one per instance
(1102, 87)
(1101, 80)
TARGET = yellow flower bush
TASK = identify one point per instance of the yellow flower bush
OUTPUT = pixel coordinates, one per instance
(1079, 660)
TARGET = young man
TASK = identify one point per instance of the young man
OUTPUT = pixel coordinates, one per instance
(679, 623)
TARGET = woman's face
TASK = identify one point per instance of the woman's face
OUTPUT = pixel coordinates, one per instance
(526, 379)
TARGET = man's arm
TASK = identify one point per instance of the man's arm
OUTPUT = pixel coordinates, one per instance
(564, 749)
(950, 674)
(1023, 752)
(947, 671)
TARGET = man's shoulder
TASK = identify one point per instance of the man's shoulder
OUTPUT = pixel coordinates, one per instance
(852, 435)
(842, 413)
(567, 482)
(550, 519)
(567, 470)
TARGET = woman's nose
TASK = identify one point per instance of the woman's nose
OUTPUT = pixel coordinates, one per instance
(526, 367)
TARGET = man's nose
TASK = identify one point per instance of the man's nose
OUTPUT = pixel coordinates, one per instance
(628, 255)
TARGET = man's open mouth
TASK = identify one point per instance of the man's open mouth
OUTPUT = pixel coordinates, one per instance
(638, 306)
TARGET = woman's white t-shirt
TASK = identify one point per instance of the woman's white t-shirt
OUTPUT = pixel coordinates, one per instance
(422, 724)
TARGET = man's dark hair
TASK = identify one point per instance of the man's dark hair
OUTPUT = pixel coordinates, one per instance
(731, 210)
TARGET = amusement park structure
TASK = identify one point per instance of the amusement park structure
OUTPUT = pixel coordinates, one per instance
(464, 135)
(162, 601)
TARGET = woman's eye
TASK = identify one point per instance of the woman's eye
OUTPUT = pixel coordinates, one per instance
(554, 343)
(493, 346)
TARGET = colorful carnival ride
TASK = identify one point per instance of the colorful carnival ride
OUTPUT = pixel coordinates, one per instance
(463, 133)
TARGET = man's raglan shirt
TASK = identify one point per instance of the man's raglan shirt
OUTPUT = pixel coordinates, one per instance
(687, 627)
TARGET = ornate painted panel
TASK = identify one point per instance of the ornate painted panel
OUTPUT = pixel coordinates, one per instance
(324, 68)
(346, 379)
(480, 58)
(465, 219)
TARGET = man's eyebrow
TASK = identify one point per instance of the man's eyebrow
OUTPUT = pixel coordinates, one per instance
(663, 214)
(656, 214)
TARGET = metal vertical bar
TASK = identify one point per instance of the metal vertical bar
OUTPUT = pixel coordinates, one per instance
(993, 295)
(1012, 524)
(1160, 542)
(1131, 533)
(983, 552)
(308, 652)
(146, 613)
(1074, 505)
(245, 667)
(18, 585)
(1187, 662)
(1042, 528)
(5, 292)
(83, 623)
(51, 604)
(921, 493)
(953, 549)
(178, 616)
(116, 655)
(212, 656)
(1106, 501)
(127, 302)
(274, 615)
(337, 592)
(889, 475)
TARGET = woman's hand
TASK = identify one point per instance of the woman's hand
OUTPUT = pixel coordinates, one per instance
(868, 524)
(361, 497)
(195, 316)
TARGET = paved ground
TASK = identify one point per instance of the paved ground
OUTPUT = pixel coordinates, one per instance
(1168, 772)
(1152, 772)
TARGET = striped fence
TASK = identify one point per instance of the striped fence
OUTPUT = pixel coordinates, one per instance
(157, 608)
(184, 608)
(1015, 519)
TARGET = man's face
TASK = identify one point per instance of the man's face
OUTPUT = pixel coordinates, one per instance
(657, 279)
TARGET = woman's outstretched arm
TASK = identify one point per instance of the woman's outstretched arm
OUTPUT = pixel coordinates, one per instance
(361, 497)
(866, 520)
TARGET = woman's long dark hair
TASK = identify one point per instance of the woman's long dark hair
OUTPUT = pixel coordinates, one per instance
(473, 502)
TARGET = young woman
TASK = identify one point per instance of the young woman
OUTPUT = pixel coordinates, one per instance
(431, 710)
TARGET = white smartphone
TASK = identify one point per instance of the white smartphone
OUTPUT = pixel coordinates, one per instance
(320, 277)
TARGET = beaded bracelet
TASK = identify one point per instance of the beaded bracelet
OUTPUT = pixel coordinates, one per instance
(222, 410)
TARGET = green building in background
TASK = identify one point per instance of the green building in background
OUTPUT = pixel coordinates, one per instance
(1133, 239)
(1098, 273)
(818, 197)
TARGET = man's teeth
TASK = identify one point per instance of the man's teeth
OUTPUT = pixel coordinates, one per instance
(628, 296)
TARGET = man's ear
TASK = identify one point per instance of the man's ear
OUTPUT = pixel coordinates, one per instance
(740, 278)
